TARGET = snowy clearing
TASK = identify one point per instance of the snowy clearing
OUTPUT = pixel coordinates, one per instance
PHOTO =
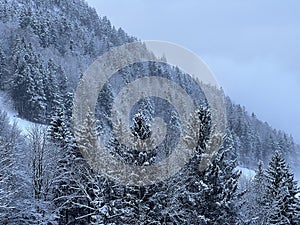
(6, 106)
(246, 173)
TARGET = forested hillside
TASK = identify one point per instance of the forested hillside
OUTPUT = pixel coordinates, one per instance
(45, 47)
(256, 140)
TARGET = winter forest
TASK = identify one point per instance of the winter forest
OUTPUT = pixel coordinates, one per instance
(45, 47)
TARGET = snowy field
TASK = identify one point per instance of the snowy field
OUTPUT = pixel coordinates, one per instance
(6, 106)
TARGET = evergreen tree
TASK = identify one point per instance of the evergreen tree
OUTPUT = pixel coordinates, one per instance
(27, 87)
(281, 191)
(3, 69)
(87, 135)
(51, 90)
(75, 182)
(69, 196)
(58, 129)
(258, 191)
(253, 208)
(141, 127)
(220, 184)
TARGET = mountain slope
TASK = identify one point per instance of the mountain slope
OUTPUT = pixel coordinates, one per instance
(45, 47)
(61, 38)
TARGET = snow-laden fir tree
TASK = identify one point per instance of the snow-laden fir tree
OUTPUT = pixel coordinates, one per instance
(51, 89)
(26, 83)
(281, 190)
(3, 69)
(67, 197)
(258, 190)
(58, 130)
(220, 188)
(87, 135)
(253, 208)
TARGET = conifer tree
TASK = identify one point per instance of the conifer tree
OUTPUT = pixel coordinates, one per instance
(51, 90)
(281, 191)
(3, 69)
(87, 135)
(27, 87)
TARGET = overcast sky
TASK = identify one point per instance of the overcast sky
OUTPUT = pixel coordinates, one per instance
(252, 46)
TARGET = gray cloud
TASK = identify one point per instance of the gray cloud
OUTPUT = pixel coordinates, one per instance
(252, 46)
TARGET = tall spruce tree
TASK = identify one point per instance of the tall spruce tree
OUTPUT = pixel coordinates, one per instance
(253, 208)
(258, 191)
(51, 90)
(27, 88)
(281, 191)
(220, 183)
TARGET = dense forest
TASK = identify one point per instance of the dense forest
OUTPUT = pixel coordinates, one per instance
(45, 48)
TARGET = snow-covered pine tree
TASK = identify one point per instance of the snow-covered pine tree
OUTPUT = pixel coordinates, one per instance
(3, 69)
(141, 126)
(129, 204)
(141, 129)
(67, 197)
(66, 194)
(75, 182)
(19, 58)
(87, 135)
(204, 117)
(258, 190)
(68, 106)
(58, 130)
(281, 190)
(27, 88)
(100, 205)
(253, 208)
(38, 99)
(182, 202)
(220, 184)
(51, 90)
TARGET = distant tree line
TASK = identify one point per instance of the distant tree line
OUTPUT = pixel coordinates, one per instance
(45, 180)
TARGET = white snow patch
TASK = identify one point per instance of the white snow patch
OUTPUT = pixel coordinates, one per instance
(246, 173)
(6, 105)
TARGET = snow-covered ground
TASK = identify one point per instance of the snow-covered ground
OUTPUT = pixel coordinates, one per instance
(6, 106)
(246, 173)
(246, 177)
